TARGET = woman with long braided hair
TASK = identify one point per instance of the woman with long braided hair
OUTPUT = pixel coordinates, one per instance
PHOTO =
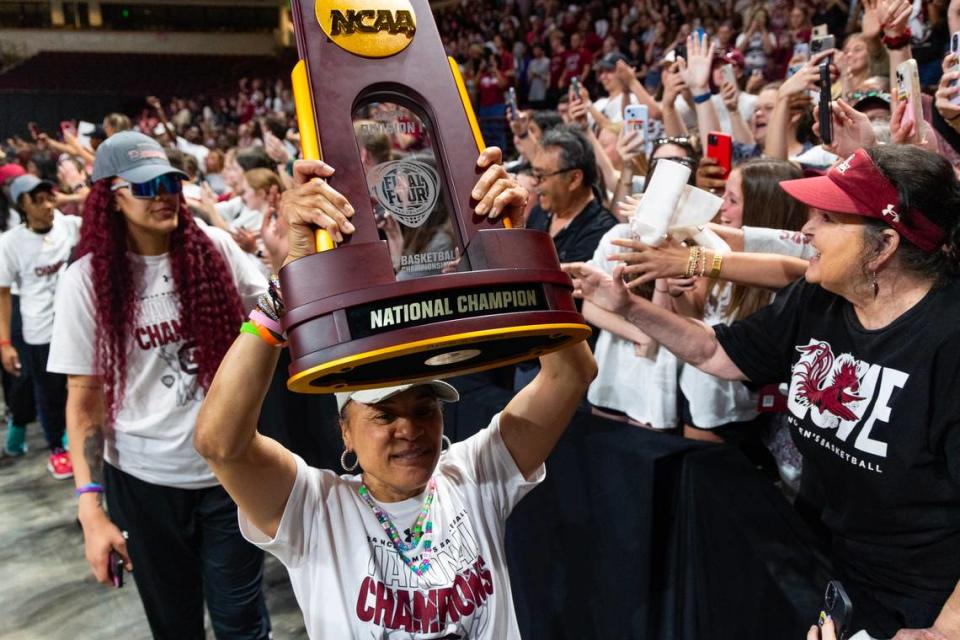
(143, 317)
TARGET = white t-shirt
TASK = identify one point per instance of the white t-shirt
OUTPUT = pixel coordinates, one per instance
(746, 105)
(715, 402)
(152, 436)
(32, 263)
(643, 388)
(613, 107)
(230, 209)
(351, 583)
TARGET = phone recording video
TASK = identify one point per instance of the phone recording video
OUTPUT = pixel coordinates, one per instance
(826, 90)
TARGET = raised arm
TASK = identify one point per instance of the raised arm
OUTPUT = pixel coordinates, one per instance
(256, 471)
(777, 145)
(697, 76)
(537, 416)
(673, 86)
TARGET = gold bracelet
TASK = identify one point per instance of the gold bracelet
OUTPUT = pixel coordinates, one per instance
(703, 263)
(692, 262)
(716, 266)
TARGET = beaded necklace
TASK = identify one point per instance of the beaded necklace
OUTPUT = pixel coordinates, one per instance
(421, 527)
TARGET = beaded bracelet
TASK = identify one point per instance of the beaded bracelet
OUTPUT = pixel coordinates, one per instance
(91, 487)
(691, 262)
(702, 262)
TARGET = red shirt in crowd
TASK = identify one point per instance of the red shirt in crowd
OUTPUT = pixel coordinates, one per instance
(574, 61)
(489, 91)
(556, 69)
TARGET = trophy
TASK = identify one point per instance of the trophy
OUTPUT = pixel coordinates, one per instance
(447, 291)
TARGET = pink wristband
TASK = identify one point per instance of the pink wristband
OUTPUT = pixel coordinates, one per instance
(266, 321)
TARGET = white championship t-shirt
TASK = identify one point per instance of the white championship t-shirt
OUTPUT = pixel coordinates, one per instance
(152, 437)
(31, 263)
(351, 583)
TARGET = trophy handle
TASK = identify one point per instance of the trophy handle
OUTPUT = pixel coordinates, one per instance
(308, 134)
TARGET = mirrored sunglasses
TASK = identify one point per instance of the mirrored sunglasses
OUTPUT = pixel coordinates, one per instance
(167, 183)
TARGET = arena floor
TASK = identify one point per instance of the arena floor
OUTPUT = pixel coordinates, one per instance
(47, 591)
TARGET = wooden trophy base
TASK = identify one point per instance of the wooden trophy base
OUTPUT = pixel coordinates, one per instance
(352, 325)
(440, 356)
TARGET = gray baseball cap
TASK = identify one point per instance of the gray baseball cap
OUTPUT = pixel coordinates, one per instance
(444, 392)
(27, 184)
(133, 157)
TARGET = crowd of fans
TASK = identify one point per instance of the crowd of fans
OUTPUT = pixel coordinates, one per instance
(555, 85)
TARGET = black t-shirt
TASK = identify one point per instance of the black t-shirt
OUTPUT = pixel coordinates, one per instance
(579, 239)
(876, 414)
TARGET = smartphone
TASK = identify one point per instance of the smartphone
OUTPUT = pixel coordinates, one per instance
(826, 91)
(115, 568)
(34, 130)
(635, 118)
(729, 74)
(575, 87)
(822, 43)
(820, 30)
(908, 88)
(680, 51)
(66, 127)
(955, 49)
(720, 148)
(512, 110)
(801, 50)
(837, 605)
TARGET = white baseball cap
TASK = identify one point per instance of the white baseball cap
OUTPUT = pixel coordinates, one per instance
(443, 391)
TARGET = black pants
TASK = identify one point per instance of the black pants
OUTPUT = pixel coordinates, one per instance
(18, 390)
(50, 391)
(186, 546)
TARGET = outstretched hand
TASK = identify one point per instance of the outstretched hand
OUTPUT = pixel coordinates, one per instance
(645, 263)
(596, 286)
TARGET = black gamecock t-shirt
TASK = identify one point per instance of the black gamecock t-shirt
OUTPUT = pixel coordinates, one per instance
(875, 414)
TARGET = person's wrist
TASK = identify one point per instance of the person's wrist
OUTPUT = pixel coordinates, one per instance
(90, 509)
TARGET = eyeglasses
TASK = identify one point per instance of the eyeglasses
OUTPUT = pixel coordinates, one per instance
(149, 190)
(536, 175)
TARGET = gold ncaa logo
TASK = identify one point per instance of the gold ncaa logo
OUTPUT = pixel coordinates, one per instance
(369, 28)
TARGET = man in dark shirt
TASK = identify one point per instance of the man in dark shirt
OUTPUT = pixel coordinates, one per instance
(566, 171)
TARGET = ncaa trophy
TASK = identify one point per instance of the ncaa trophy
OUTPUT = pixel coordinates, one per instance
(448, 292)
